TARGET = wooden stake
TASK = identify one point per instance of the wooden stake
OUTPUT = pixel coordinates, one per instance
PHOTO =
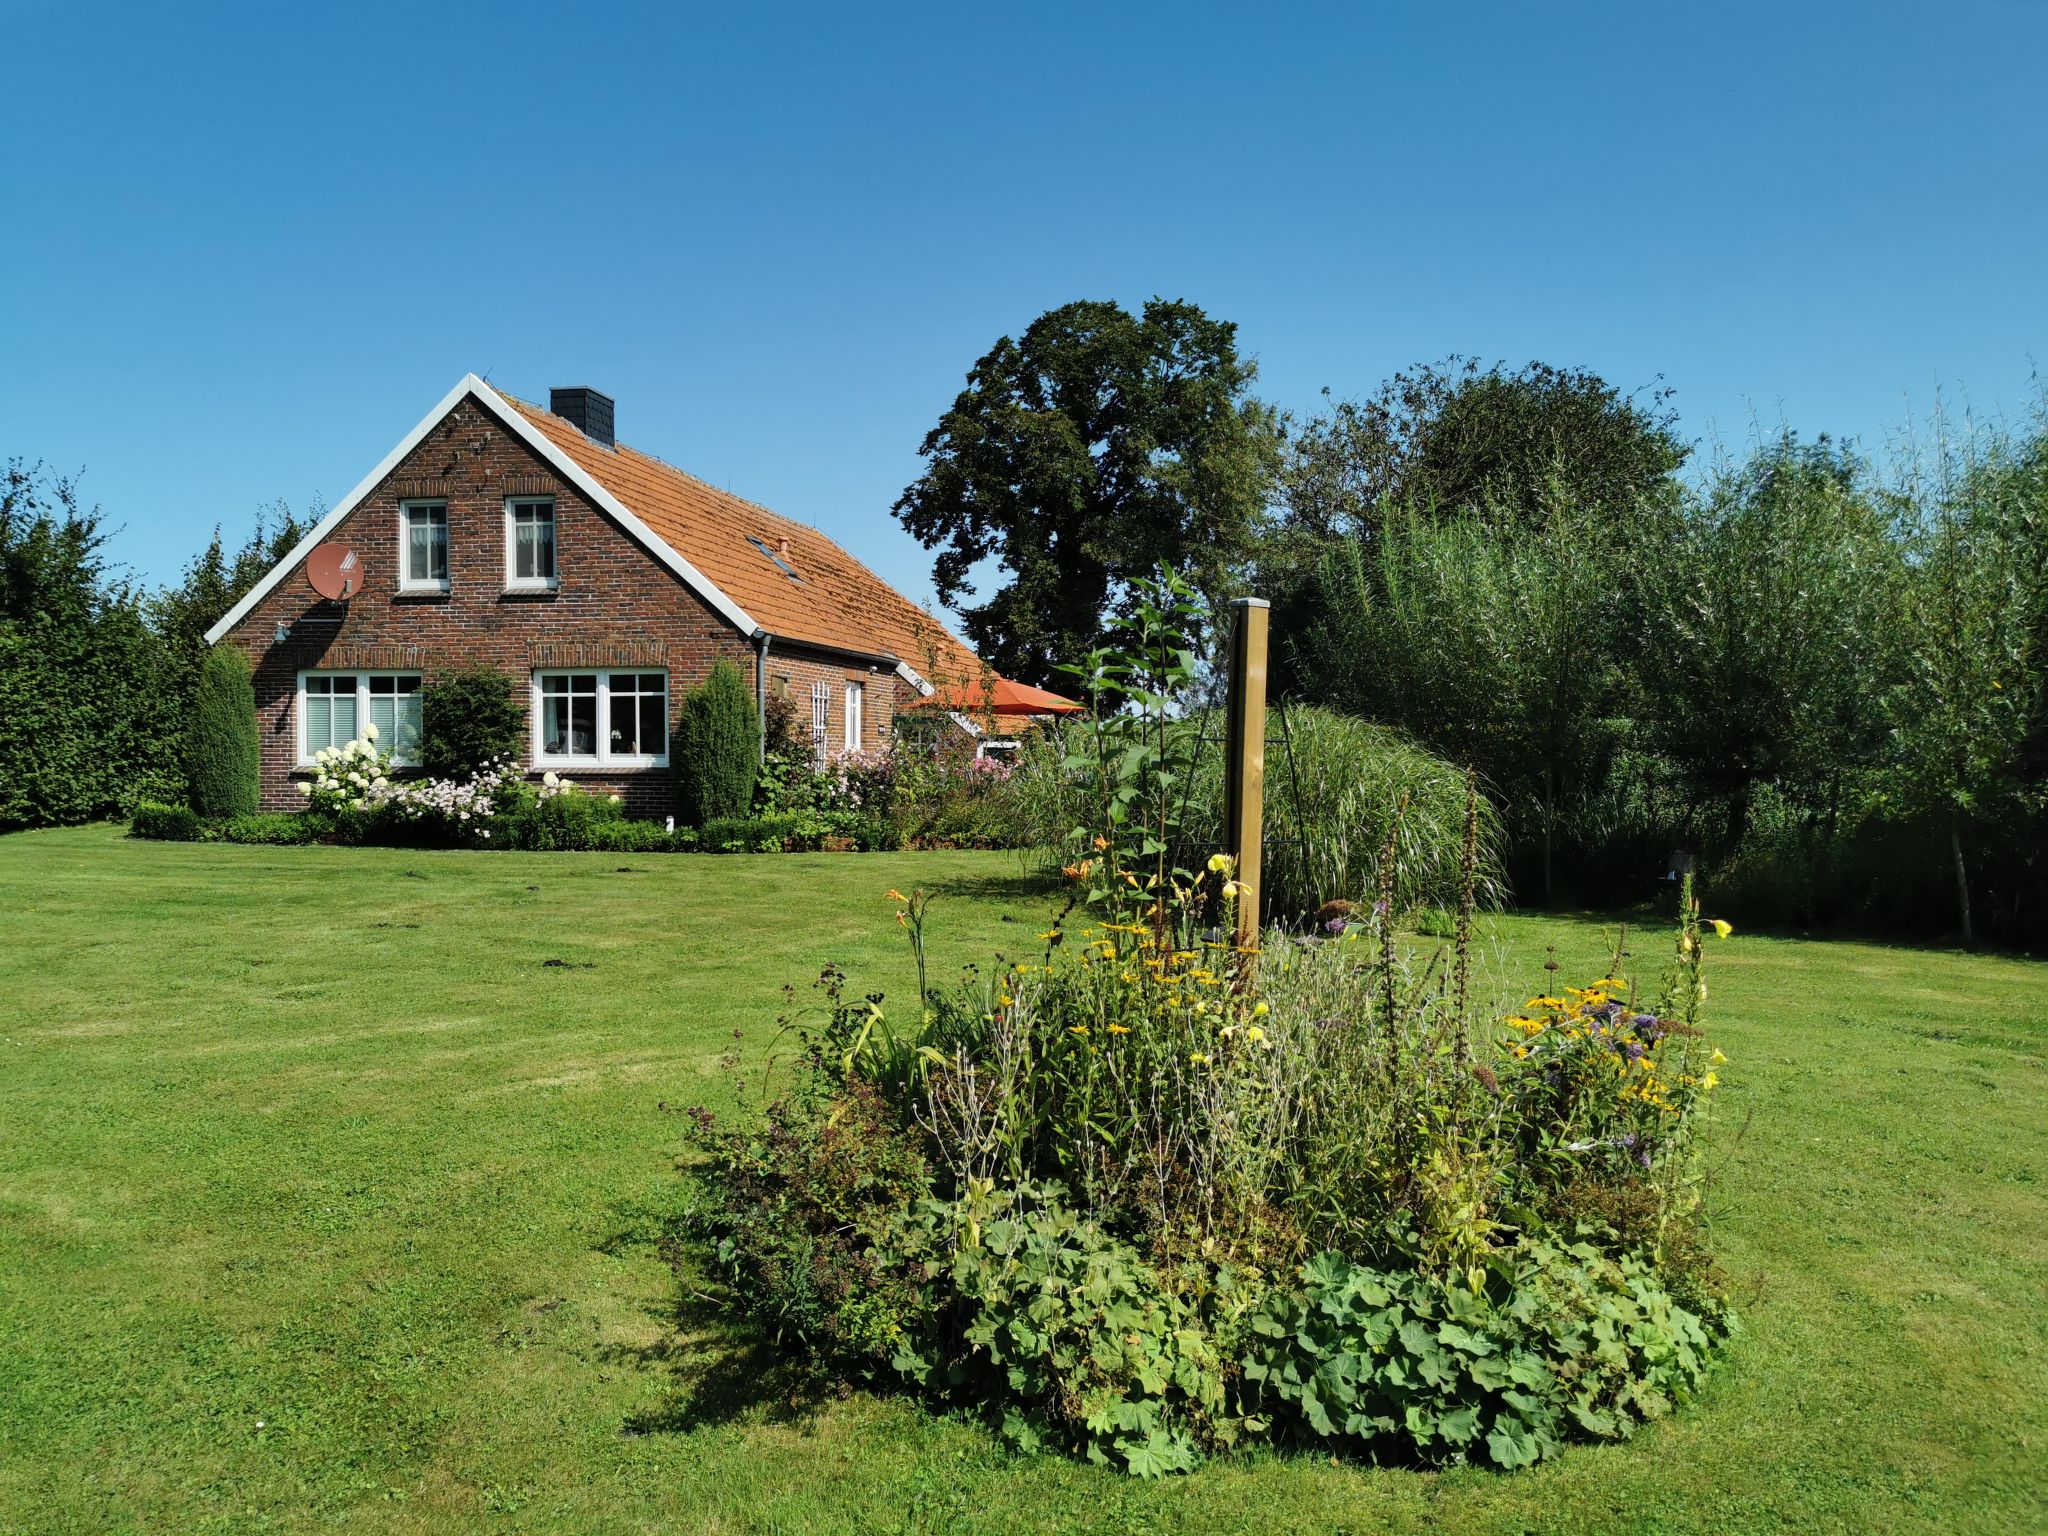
(1245, 761)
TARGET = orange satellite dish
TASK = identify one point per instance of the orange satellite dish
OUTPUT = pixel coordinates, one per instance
(335, 572)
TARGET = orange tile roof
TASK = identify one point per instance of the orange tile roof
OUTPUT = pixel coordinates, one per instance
(835, 600)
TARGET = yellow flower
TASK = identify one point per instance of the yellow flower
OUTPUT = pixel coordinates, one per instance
(1077, 1029)
(896, 895)
(1710, 1081)
(1119, 1029)
(1722, 928)
(1255, 1034)
(1198, 1058)
(1260, 1010)
(1219, 863)
(1717, 1059)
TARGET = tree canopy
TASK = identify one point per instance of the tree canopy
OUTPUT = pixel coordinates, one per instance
(1080, 457)
(1446, 437)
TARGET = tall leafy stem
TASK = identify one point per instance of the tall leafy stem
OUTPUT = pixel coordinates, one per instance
(1139, 764)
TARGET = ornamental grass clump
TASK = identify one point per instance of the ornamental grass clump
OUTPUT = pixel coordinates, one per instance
(1147, 1194)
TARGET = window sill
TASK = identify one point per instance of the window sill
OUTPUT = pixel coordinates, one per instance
(524, 589)
(423, 592)
(592, 765)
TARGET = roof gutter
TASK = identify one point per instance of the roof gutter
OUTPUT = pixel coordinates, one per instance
(762, 640)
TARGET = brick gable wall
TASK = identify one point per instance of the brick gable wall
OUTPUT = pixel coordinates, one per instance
(615, 606)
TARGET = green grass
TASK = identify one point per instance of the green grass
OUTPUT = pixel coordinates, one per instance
(326, 1202)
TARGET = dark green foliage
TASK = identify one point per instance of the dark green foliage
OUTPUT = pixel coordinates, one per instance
(1563, 1343)
(638, 837)
(1065, 1337)
(167, 823)
(469, 720)
(797, 1205)
(791, 832)
(572, 819)
(215, 581)
(1097, 447)
(222, 750)
(276, 828)
(1830, 688)
(88, 718)
(717, 747)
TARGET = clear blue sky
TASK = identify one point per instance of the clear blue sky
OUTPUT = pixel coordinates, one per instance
(245, 252)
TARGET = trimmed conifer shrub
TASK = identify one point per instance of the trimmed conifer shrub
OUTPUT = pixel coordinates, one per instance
(221, 757)
(468, 720)
(717, 748)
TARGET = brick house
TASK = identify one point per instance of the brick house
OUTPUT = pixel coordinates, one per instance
(602, 580)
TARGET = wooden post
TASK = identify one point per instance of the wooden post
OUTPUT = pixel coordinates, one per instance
(1244, 762)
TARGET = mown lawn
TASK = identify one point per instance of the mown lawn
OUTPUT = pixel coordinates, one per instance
(330, 1184)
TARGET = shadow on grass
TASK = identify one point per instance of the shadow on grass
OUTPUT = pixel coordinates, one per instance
(718, 1369)
(716, 1366)
(1032, 886)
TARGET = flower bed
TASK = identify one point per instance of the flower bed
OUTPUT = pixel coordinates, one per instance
(1148, 1196)
(1145, 1198)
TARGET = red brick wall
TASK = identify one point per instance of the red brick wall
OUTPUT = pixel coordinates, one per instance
(794, 669)
(614, 606)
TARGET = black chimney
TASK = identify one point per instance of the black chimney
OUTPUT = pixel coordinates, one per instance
(586, 410)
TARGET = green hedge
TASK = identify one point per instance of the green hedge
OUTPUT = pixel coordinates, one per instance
(167, 823)
(469, 720)
(717, 748)
(223, 750)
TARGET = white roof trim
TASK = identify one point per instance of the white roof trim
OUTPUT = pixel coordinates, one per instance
(562, 464)
(905, 671)
(347, 504)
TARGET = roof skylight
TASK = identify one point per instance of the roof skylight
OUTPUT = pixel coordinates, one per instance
(780, 564)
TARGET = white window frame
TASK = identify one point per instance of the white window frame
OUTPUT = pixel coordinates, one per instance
(514, 582)
(821, 721)
(304, 755)
(855, 713)
(406, 583)
(604, 757)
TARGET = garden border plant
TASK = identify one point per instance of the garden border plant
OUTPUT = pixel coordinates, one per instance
(1147, 1197)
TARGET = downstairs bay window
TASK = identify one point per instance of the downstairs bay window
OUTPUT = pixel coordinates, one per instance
(600, 719)
(335, 706)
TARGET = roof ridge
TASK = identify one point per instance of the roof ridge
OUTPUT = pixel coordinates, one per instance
(675, 469)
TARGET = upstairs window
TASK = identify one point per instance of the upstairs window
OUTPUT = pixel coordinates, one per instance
(530, 542)
(423, 546)
(601, 719)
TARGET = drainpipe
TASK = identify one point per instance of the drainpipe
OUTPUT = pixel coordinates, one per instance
(761, 641)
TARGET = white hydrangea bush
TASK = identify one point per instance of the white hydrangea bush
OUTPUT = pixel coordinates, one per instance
(349, 777)
(356, 777)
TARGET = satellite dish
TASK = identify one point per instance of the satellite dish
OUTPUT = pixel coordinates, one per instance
(335, 572)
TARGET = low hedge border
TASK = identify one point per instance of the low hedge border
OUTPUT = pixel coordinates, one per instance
(527, 832)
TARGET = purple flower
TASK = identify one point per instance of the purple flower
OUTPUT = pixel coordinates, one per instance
(1335, 926)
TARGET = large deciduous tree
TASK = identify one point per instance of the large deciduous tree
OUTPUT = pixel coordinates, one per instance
(1080, 457)
(1450, 436)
